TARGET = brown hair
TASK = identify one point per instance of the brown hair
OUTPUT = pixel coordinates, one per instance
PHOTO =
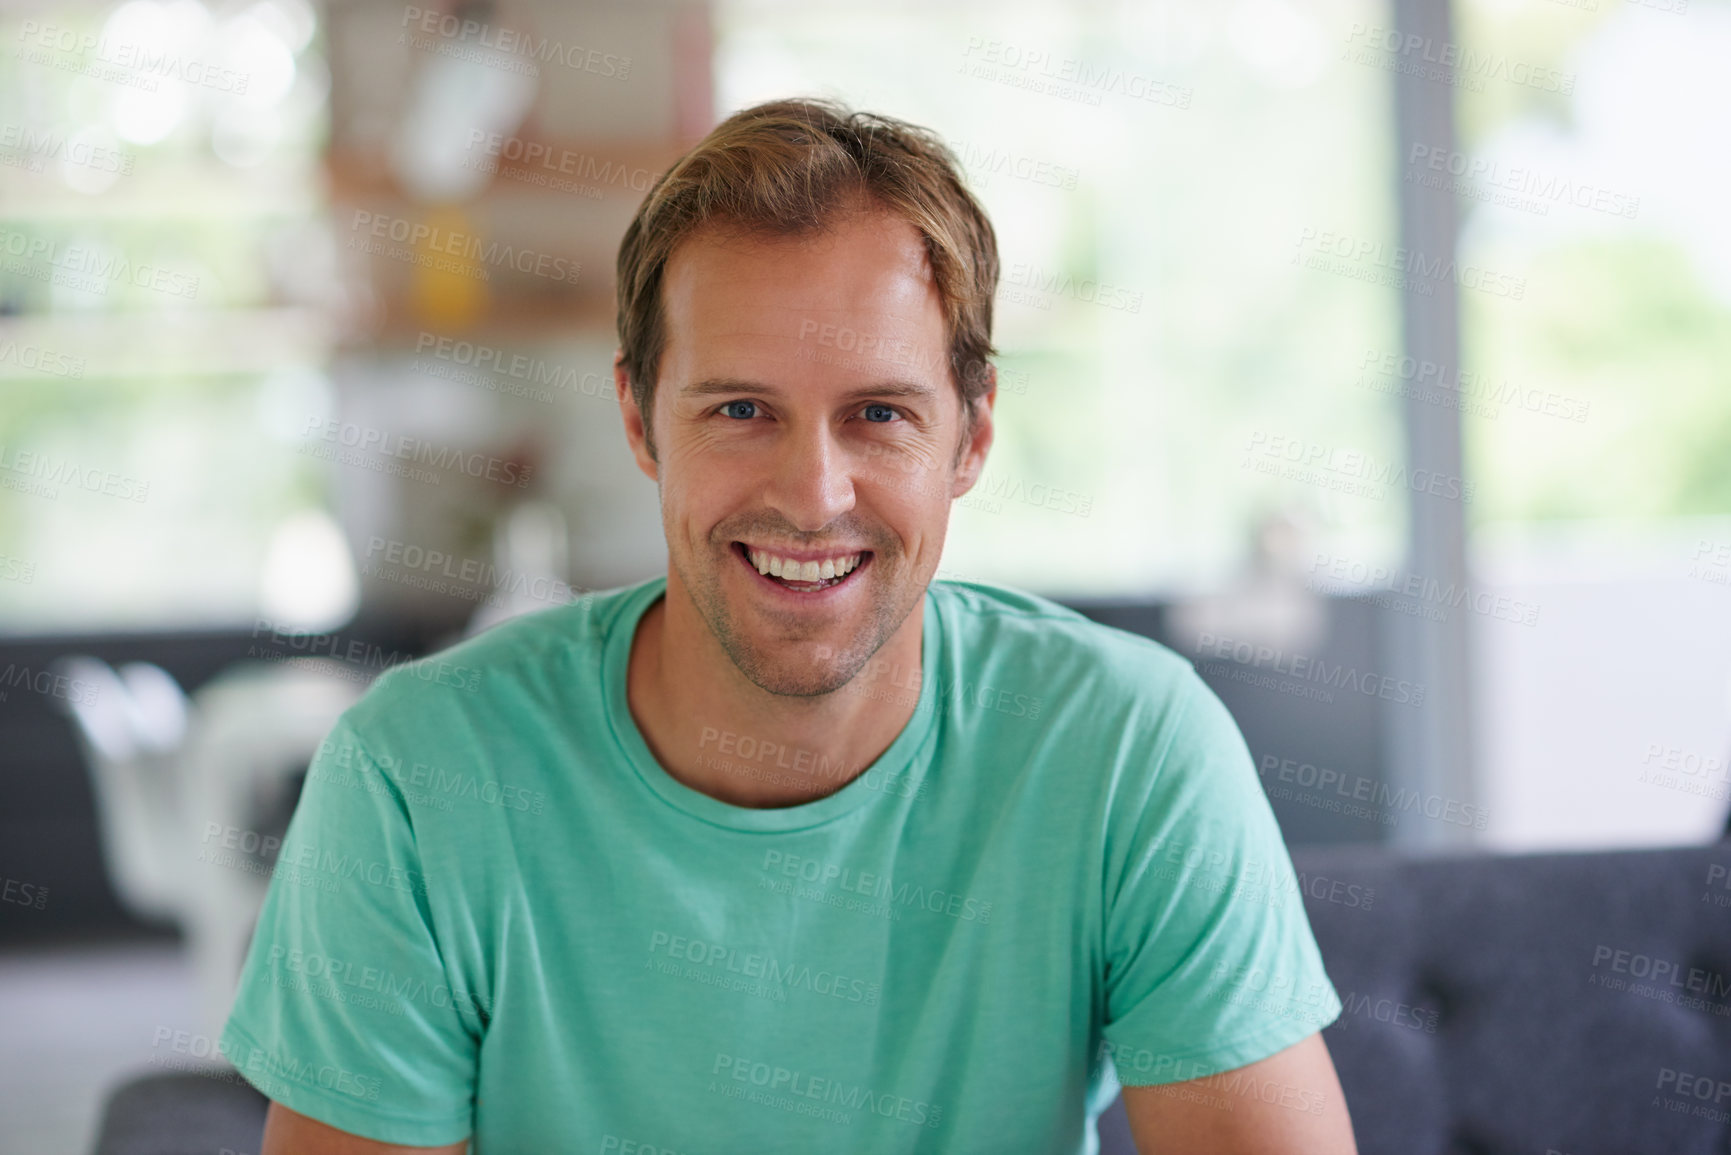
(790, 167)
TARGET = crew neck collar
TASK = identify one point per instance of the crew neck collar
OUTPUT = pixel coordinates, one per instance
(896, 764)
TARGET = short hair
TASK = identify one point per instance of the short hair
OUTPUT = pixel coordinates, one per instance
(791, 168)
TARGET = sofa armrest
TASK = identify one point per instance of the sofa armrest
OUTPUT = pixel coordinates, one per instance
(180, 1113)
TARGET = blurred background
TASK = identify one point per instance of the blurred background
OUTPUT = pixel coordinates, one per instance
(1376, 357)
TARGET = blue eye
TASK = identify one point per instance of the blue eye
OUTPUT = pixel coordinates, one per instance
(886, 408)
(731, 404)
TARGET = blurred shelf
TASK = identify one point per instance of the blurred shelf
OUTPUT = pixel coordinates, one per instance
(623, 169)
(571, 203)
(162, 188)
(212, 342)
(517, 321)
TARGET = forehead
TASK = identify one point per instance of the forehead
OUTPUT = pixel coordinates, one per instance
(729, 294)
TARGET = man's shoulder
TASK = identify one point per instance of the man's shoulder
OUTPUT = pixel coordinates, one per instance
(1114, 716)
(1011, 625)
(543, 656)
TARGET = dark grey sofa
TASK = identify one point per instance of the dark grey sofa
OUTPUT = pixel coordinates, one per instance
(1511, 1043)
(1577, 1004)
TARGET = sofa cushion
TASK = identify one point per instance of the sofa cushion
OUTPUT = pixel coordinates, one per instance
(183, 1114)
(1573, 1003)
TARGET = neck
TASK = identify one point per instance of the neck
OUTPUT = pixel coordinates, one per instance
(716, 731)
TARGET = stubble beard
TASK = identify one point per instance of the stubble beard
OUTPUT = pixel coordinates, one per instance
(792, 668)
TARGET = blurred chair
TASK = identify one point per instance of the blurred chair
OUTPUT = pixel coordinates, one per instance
(192, 795)
(531, 547)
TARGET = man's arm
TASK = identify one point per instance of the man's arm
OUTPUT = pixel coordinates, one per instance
(1287, 1104)
(289, 1132)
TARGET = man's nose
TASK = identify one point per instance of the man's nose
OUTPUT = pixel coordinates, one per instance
(811, 482)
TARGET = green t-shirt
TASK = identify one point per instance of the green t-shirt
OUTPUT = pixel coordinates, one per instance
(495, 914)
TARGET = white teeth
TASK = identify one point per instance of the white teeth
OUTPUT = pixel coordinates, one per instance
(789, 570)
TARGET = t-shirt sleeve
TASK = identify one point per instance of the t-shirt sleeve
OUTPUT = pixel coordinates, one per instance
(344, 1011)
(1210, 959)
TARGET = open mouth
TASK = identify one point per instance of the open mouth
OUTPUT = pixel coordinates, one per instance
(799, 586)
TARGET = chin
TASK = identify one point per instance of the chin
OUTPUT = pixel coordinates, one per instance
(805, 684)
(808, 668)
(785, 655)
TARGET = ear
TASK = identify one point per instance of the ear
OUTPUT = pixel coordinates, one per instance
(972, 459)
(636, 436)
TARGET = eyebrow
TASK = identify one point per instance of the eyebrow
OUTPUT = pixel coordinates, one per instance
(890, 388)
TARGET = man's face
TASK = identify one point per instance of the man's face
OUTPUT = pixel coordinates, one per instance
(805, 409)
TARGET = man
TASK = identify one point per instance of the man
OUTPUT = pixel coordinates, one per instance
(793, 849)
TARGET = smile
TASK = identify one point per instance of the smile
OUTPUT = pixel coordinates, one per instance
(804, 579)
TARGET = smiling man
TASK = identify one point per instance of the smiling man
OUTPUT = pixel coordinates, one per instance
(794, 848)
